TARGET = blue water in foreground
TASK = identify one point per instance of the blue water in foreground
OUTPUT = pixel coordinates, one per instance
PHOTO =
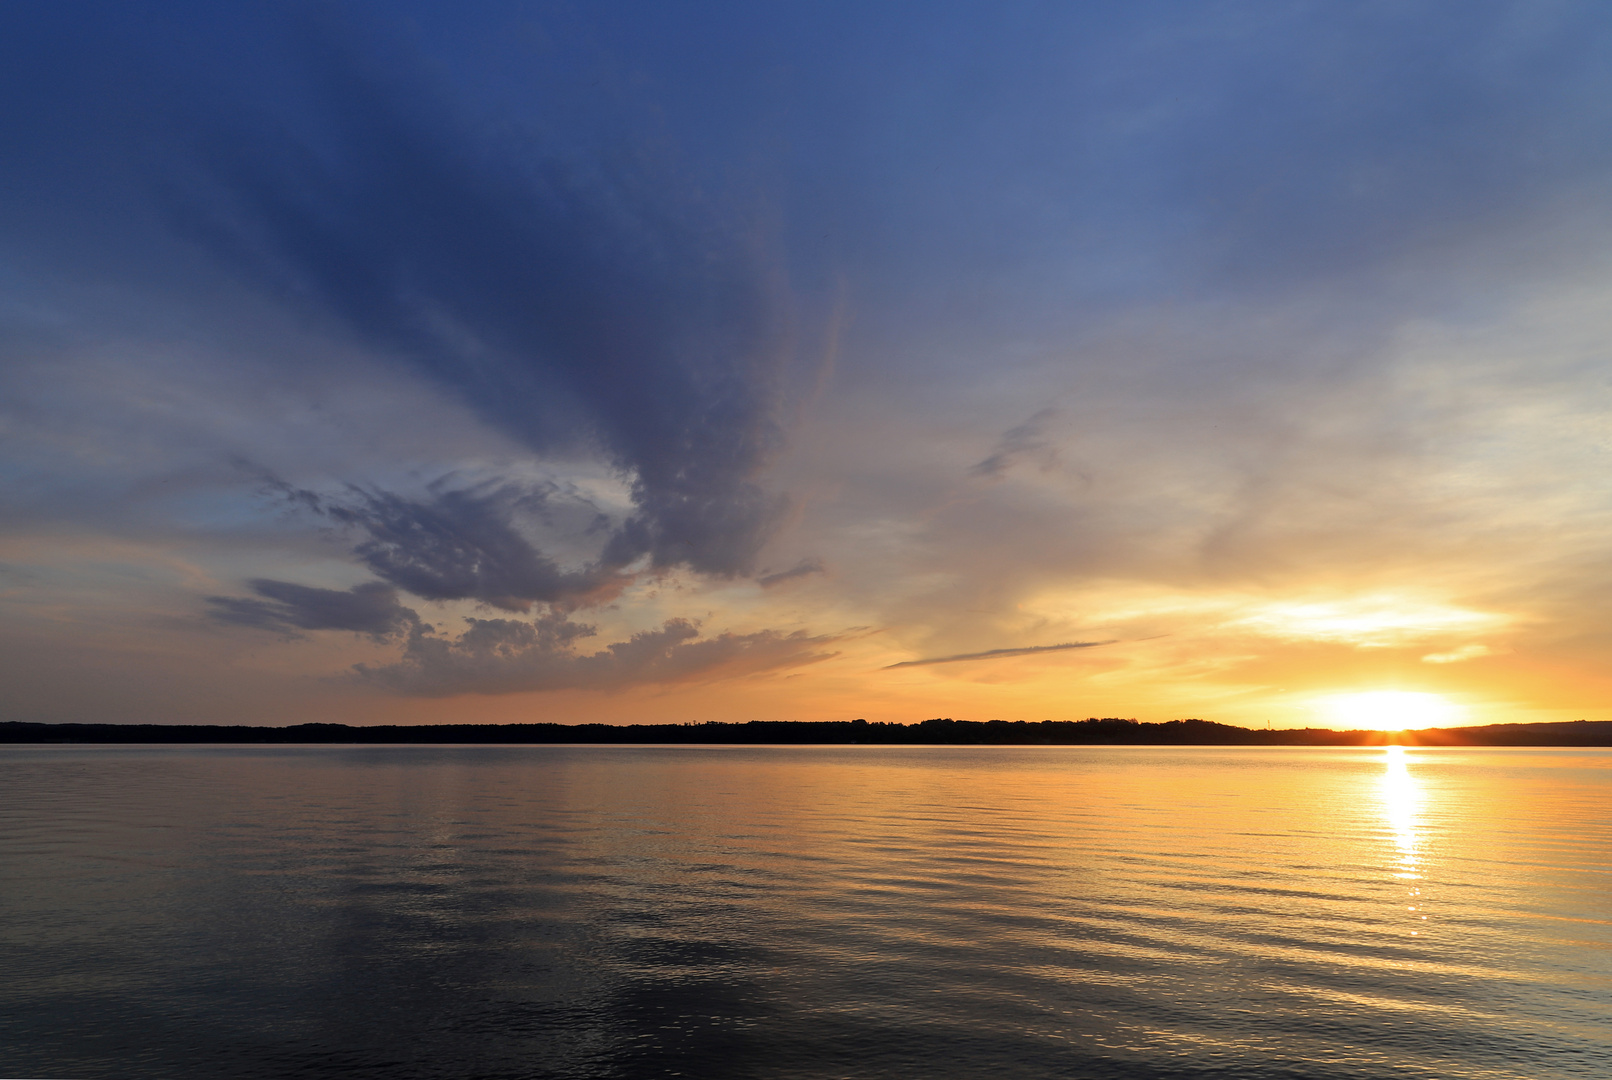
(713, 912)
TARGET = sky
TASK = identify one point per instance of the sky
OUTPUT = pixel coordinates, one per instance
(633, 362)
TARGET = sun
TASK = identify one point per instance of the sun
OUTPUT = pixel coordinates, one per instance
(1392, 710)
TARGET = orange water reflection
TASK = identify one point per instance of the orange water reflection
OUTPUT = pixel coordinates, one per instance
(1401, 804)
(1402, 801)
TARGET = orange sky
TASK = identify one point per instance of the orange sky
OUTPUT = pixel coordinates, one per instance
(772, 375)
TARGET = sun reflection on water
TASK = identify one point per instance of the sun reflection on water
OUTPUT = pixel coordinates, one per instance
(1402, 799)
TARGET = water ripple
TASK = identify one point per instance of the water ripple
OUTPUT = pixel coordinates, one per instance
(801, 912)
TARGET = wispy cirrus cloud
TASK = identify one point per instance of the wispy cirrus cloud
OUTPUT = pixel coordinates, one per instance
(804, 568)
(998, 654)
(1026, 440)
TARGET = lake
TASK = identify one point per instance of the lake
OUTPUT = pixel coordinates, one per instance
(805, 912)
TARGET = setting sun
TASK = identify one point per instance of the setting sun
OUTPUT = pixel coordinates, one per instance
(1392, 710)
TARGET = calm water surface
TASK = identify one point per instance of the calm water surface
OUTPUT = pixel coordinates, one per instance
(811, 912)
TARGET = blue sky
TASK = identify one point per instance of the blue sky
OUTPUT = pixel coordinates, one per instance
(629, 361)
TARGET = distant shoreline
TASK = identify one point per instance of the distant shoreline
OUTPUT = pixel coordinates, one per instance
(1109, 731)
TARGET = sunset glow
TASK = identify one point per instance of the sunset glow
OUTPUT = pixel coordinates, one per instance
(804, 540)
(1392, 710)
(659, 364)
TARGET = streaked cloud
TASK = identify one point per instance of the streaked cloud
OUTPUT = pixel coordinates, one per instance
(1026, 440)
(1457, 656)
(999, 654)
(804, 568)
(370, 609)
(1368, 622)
(568, 302)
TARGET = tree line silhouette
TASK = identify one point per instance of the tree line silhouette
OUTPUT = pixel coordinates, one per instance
(940, 731)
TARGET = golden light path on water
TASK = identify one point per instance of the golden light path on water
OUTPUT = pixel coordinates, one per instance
(1401, 803)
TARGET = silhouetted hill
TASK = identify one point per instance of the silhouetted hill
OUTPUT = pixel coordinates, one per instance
(942, 731)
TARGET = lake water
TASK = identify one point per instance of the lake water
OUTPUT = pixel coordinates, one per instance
(810, 912)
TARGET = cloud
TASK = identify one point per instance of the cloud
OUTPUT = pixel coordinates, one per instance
(581, 302)
(1367, 622)
(1457, 656)
(462, 545)
(506, 656)
(370, 608)
(998, 654)
(804, 568)
(1026, 440)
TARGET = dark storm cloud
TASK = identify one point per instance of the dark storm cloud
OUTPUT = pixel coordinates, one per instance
(575, 300)
(999, 654)
(504, 656)
(370, 608)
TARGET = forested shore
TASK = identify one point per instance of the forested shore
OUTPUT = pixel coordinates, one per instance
(941, 731)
